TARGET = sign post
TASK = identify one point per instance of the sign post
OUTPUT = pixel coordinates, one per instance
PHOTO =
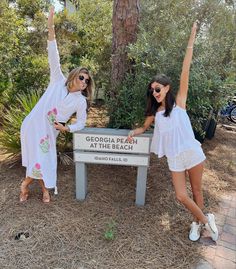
(110, 146)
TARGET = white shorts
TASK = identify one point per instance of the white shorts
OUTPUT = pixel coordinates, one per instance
(186, 160)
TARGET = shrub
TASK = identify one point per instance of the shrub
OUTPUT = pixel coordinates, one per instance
(12, 119)
(129, 107)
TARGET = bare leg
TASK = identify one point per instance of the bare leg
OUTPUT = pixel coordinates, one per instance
(179, 182)
(195, 176)
(46, 195)
(24, 190)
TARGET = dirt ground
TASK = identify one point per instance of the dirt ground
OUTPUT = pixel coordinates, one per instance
(68, 234)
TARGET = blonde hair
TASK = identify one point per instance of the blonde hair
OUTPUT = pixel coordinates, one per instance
(88, 92)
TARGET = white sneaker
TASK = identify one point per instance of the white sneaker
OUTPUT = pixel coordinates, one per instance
(195, 230)
(211, 227)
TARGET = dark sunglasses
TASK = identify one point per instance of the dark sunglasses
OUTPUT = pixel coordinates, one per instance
(81, 77)
(157, 90)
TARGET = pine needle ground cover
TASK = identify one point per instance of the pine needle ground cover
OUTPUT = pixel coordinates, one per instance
(107, 230)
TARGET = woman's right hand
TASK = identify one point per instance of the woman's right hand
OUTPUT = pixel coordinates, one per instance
(148, 121)
(130, 136)
(193, 33)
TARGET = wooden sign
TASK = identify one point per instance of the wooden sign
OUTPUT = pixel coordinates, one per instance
(110, 143)
(110, 146)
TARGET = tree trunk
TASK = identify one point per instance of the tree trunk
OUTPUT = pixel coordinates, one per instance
(124, 26)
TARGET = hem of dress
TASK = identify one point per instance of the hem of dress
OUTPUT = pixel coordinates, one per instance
(196, 163)
(34, 177)
(37, 178)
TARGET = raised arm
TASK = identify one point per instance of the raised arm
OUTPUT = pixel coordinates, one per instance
(51, 29)
(184, 78)
(53, 55)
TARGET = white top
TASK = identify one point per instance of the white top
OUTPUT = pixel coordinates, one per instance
(173, 134)
(38, 134)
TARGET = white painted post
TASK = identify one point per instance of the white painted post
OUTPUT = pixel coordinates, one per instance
(141, 185)
(81, 180)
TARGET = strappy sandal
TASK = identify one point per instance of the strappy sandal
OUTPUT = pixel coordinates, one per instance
(24, 193)
(46, 197)
(24, 196)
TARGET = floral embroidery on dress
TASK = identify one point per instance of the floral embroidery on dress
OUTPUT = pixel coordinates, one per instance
(36, 172)
(44, 144)
(52, 114)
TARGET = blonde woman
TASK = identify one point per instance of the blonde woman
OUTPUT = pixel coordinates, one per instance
(39, 130)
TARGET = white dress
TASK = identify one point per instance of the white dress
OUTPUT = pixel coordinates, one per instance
(38, 135)
(173, 134)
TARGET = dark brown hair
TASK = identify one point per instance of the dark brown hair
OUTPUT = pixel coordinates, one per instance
(152, 104)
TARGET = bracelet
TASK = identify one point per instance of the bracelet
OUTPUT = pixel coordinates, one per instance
(131, 133)
(51, 27)
(189, 47)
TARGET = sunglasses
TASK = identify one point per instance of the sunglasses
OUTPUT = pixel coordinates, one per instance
(157, 90)
(81, 77)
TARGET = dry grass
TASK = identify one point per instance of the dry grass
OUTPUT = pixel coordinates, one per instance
(70, 234)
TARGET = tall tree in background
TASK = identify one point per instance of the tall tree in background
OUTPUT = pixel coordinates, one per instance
(124, 29)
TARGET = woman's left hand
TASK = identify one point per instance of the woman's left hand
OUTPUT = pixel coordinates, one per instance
(193, 35)
(50, 17)
(60, 127)
(195, 27)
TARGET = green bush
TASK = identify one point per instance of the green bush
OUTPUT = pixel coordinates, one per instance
(12, 120)
(129, 109)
